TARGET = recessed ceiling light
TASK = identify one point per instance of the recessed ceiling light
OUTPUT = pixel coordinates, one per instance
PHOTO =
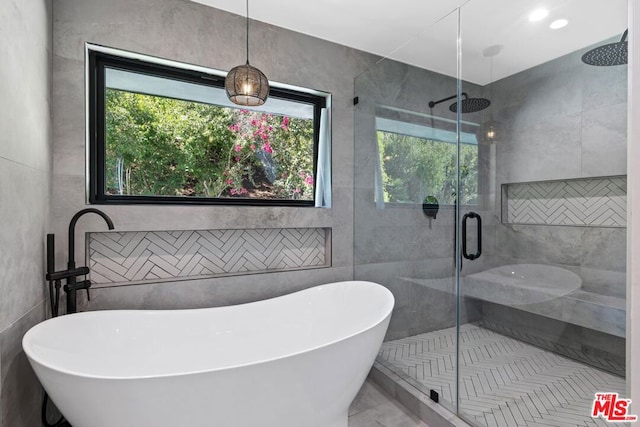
(559, 23)
(538, 15)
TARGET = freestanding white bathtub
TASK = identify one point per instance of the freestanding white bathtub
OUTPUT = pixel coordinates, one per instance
(292, 361)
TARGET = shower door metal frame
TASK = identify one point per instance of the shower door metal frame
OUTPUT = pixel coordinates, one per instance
(458, 222)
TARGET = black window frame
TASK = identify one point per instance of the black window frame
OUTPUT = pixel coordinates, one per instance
(98, 61)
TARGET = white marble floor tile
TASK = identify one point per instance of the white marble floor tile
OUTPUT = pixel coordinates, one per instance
(504, 382)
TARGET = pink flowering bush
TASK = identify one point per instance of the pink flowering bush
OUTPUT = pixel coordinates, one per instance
(275, 155)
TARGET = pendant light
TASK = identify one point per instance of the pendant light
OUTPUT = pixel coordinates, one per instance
(246, 85)
(489, 131)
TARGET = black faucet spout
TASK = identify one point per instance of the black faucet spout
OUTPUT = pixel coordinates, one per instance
(72, 229)
(72, 284)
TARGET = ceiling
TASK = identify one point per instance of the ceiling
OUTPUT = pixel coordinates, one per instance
(423, 33)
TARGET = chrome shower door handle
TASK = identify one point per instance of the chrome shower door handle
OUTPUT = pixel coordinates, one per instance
(464, 236)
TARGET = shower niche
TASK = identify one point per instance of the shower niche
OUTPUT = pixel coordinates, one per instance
(581, 202)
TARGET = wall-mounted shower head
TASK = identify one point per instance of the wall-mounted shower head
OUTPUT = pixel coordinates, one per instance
(469, 105)
(608, 54)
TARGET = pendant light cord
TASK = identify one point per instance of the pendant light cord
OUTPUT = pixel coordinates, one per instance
(491, 87)
(247, 31)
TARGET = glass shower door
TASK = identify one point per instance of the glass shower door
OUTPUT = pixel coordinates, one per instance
(406, 157)
(543, 242)
(490, 196)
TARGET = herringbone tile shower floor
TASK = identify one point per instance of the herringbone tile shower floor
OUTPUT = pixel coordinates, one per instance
(503, 381)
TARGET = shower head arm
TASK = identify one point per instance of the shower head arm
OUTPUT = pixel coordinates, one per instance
(434, 103)
(624, 35)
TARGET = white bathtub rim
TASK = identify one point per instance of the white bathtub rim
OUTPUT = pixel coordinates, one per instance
(64, 370)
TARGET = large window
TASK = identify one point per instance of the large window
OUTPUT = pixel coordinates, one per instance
(165, 134)
(418, 161)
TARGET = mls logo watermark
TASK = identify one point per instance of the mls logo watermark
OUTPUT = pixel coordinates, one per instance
(612, 408)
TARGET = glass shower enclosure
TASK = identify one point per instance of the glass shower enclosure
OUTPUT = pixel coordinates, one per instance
(490, 198)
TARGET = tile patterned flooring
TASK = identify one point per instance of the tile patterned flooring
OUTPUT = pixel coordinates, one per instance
(505, 382)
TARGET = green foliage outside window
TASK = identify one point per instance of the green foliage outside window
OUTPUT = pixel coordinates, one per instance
(413, 168)
(159, 146)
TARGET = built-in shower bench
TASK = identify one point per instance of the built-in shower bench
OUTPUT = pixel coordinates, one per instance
(587, 309)
(558, 301)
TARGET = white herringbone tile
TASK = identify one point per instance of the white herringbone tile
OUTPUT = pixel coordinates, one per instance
(593, 202)
(503, 382)
(146, 256)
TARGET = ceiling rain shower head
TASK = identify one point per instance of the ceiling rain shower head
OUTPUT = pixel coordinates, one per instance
(469, 105)
(608, 54)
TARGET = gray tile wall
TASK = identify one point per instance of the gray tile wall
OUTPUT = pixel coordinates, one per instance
(21, 391)
(557, 120)
(562, 120)
(25, 169)
(185, 31)
(396, 243)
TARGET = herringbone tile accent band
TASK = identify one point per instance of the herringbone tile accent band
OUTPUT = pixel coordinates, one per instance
(150, 256)
(596, 202)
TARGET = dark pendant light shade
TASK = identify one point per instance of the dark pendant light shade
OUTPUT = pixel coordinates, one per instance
(246, 85)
